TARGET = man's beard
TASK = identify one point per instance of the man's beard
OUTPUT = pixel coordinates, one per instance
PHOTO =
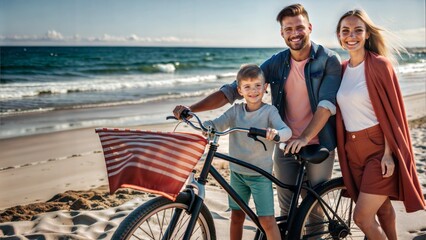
(297, 46)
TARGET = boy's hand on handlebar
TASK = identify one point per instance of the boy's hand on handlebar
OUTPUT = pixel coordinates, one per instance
(271, 133)
(294, 146)
(179, 109)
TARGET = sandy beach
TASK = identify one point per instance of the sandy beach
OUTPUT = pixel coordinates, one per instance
(54, 185)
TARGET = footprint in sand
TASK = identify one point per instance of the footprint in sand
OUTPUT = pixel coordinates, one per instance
(118, 215)
(109, 227)
(84, 219)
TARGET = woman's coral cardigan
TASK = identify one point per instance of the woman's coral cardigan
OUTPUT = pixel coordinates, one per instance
(388, 105)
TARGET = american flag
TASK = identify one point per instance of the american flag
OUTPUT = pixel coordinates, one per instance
(156, 162)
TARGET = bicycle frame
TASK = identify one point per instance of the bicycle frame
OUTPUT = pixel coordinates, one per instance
(197, 199)
(209, 169)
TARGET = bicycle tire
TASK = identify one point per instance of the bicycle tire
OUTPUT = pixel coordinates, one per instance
(311, 225)
(152, 218)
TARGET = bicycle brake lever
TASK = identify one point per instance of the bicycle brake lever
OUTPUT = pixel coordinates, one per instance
(254, 137)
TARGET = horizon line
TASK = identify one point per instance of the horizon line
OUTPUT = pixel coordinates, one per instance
(177, 46)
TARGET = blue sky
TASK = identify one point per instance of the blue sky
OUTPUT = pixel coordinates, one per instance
(222, 23)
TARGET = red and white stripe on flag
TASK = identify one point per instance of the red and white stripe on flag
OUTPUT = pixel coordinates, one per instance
(156, 162)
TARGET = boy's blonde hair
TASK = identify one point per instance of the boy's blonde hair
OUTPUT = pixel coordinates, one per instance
(249, 71)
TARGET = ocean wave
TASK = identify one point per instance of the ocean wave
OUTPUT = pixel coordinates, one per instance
(94, 70)
(132, 68)
(110, 104)
(167, 68)
(19, 111)
(227, 75)
(22, 90)
(23, 73)
(10, 72)
(102, 69)
(412, 67)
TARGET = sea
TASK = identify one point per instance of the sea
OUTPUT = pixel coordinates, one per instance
(47, 79)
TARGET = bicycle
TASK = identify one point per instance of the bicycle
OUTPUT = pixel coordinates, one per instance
(325, 213)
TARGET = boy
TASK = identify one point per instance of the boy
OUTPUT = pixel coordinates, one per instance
(252, 113)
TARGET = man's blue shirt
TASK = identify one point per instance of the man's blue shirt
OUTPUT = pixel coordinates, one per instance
(322, 75)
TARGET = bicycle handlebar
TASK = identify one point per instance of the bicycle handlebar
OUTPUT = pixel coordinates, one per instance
(314, 153)
(262, 133)
(186, 114)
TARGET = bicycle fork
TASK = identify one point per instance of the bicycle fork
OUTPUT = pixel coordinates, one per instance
(195, 205)
(196, 199)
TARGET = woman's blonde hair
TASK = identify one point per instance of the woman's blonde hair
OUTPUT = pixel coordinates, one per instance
(377, 42)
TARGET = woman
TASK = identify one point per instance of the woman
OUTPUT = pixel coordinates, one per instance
(374, 145)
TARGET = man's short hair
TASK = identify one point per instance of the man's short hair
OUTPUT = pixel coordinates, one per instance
(249, 71)
(292, 11)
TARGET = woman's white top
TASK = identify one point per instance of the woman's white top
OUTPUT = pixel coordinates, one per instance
(354, 101)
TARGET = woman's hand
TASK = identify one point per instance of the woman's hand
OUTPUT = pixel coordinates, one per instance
(388, 165)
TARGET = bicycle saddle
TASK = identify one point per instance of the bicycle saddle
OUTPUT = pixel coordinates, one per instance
(314, 153)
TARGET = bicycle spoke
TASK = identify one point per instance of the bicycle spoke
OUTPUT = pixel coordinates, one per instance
(182, 223)
(138, 237)
(196, 229)
(330, 217)
(151, 233)
(151, 236)
(175, 219)
(160, 225)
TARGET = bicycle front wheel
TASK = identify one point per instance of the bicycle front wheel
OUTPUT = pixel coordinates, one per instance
(315, 222)
(153, 219)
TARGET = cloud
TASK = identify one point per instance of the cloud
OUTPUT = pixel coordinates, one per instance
(57, 37)
(19, 37)
(50, 35)
(133, 37)
(407, 37)
(53, 35)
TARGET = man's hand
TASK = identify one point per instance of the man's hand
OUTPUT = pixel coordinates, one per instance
(318, 121)
(294, 146)
(179, 109)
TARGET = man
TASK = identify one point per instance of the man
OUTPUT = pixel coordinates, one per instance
(304, 80)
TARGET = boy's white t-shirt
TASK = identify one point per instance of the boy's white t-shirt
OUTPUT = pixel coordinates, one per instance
(245, 148)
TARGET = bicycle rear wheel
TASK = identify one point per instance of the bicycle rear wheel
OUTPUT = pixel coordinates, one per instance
(313, 223)
(152, 219)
